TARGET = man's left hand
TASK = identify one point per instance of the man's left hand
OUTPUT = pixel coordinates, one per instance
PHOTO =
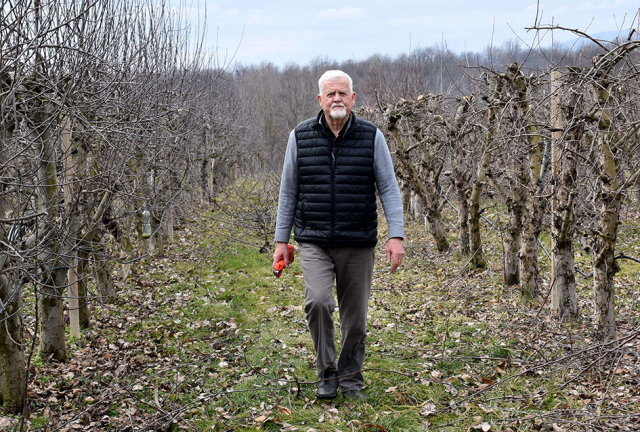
(395, 253)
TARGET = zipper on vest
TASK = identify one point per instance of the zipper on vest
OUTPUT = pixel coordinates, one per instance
(333, 197)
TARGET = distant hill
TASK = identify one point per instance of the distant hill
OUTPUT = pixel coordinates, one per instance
(606, 36)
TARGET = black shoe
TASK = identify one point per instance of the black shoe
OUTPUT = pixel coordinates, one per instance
(354, 395)
(328, 389)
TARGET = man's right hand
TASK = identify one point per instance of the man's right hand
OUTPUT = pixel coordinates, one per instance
(281, 253)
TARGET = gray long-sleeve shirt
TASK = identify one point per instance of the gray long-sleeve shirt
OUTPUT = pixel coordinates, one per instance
(386, 184)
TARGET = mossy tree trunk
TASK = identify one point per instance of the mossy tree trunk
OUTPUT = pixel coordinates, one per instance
(610, 195)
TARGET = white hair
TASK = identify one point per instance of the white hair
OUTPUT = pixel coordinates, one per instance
(331, 75)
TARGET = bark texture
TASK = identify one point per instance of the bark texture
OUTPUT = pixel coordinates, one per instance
(420, 166)
(460, 173)
(54, 272)
(532, 220)
(563, 294)
(609, 197)
(12, 360)
(84, 271)
(51, 319)
(512, 244)
(477, 254)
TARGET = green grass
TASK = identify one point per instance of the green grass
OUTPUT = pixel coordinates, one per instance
(40, 421)
(227, 345)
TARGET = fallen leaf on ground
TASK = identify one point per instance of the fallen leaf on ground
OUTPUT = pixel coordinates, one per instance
(428, 409)
(263, 417)
(284, 410)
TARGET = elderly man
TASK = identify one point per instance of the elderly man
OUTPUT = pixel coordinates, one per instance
(333, 164)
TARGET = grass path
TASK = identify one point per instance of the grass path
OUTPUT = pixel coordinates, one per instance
(206, 339)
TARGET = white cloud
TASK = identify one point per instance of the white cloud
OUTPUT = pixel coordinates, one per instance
(317, 29)
(344, 13)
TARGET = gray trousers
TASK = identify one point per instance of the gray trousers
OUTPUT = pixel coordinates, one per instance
(352, 270)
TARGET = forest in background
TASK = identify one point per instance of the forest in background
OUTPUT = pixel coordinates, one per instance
(118, 130)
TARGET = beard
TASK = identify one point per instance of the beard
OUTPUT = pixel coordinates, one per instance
(338, 114)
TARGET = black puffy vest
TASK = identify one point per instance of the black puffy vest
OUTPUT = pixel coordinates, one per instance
(336, 195)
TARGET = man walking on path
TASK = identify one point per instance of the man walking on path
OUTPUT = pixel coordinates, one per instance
(333, 164)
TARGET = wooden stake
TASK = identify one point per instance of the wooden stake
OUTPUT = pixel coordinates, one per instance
(74, 304)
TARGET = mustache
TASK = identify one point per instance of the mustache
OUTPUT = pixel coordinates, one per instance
(337, 104)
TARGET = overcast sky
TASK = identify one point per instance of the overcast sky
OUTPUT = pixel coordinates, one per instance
(284, 31)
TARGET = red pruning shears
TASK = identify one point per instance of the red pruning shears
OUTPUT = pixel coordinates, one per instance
(279, 266)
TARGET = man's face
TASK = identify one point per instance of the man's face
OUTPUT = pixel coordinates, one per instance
(336, 100)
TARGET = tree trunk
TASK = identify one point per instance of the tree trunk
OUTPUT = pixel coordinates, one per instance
(512, 240)
(534, 212)
(54, 279)
(527, 191)
(462, 193)
(12, 361)
(406, 200)
(463, 221)
(104, 282)
(604, 264)
(83, 303)
(477, 255)
(205, 185)
(426, 190)
(563, 293)
(106, 288)
(605, 267)
(431, 204)
(460, 173)
(436, 227)
(160, 243)
(529, 274)
(51, 306)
